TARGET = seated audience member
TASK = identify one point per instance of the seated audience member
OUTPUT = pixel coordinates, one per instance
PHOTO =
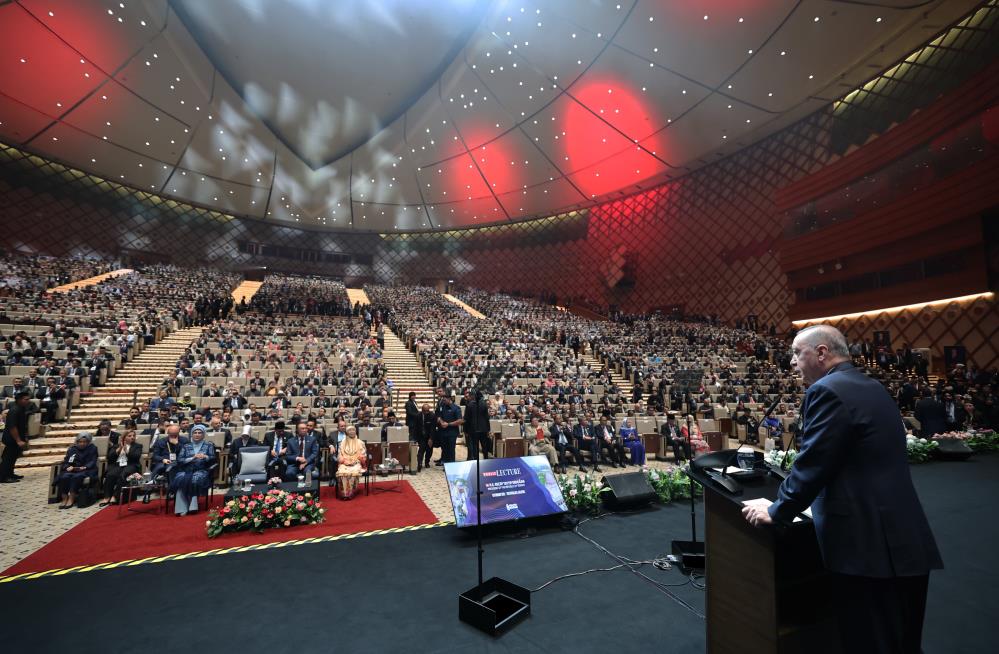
(277, 441)
(244, 440)
(104, 429)
(123, 459)
(633, 442)
(681, 449)
(49, 397)
(607, 438)
(541, 444)
(303, 451)
(193, 472)
(772, 428)
(561, 437)
(587, 442)
(79, 464)
(351, 463)
(165, 452)
(692, 432)
(336, 437)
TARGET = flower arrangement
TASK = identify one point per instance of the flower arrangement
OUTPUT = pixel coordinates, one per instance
(780, 459)
(982, 441)
(134, 478)
(919, 449)
(274, 509)
(274, 482)
(581, 492)
(672, 484)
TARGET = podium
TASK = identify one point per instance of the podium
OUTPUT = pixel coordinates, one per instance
(767, 590)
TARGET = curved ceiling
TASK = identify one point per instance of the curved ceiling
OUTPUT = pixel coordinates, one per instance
(384, 115)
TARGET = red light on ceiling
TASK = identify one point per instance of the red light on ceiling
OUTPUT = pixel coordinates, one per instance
(601, 128)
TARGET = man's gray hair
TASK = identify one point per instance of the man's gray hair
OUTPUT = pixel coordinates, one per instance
(826, 335)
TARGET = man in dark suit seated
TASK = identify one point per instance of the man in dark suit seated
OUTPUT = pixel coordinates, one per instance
(277, 442)
(853, 472)
(586, 442)
(681, 448)
(303, 451)
(607, 436)
(49, 397)
(562, 439)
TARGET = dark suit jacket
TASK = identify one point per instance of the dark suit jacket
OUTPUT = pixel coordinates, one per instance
(578, 433)
(134, 455)
(412, 414)
(311, 451)
(269, 441)
(931, 416)
(853, 471)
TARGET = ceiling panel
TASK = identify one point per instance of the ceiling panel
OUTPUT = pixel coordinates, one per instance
(39, 69)
(537, 200)
(106, 33)
(456, 180)
(230, 143)
(430, 133)
(481, 211)
(320, 192)
(66, 143)
(178, 77)
(706, 51)
(222, 195)
(475, 112)
(19, 121)
(115, 113)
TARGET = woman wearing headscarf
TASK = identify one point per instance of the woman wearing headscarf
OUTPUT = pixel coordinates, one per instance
(79, 464)
(194, 471)
(352, 461)
(633, 442)
(123, 459)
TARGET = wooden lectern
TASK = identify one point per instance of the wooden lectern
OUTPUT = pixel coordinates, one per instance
(767, 591)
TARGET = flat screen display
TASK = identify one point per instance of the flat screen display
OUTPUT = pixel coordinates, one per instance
(512, 489)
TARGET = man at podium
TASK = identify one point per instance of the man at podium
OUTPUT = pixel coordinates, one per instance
(853, 472)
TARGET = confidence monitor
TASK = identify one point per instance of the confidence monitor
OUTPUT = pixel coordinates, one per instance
(512, 489)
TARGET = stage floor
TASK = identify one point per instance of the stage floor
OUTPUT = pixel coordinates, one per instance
(399, 591)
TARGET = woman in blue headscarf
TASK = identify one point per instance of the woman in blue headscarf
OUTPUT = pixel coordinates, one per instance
(194, 471)
(633, 442)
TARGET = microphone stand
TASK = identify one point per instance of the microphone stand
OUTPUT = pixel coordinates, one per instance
(689, 553)
(690, 459)
(478, 515)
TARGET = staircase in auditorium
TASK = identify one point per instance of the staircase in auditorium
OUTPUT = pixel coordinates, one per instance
(89, 281)
(356, 295)
(245, 291)
(113, 400)
(622, 383)
(468, 309)
(406, 374)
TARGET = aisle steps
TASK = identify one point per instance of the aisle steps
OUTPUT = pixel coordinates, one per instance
(406, 374)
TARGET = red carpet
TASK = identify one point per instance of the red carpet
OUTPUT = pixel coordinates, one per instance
(105, 538)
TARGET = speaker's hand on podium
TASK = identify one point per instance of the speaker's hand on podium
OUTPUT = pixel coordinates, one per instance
(755, 512)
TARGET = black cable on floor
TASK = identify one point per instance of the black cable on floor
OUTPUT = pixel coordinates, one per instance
(663, 588)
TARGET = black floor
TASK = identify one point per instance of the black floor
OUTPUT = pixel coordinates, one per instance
(399, 592)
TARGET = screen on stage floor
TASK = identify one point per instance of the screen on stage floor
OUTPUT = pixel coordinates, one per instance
(515, 488)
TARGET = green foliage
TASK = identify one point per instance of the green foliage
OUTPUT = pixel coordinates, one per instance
(582, 492)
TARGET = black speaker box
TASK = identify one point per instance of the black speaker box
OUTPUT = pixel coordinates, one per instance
(628, 489)
(952, 449)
